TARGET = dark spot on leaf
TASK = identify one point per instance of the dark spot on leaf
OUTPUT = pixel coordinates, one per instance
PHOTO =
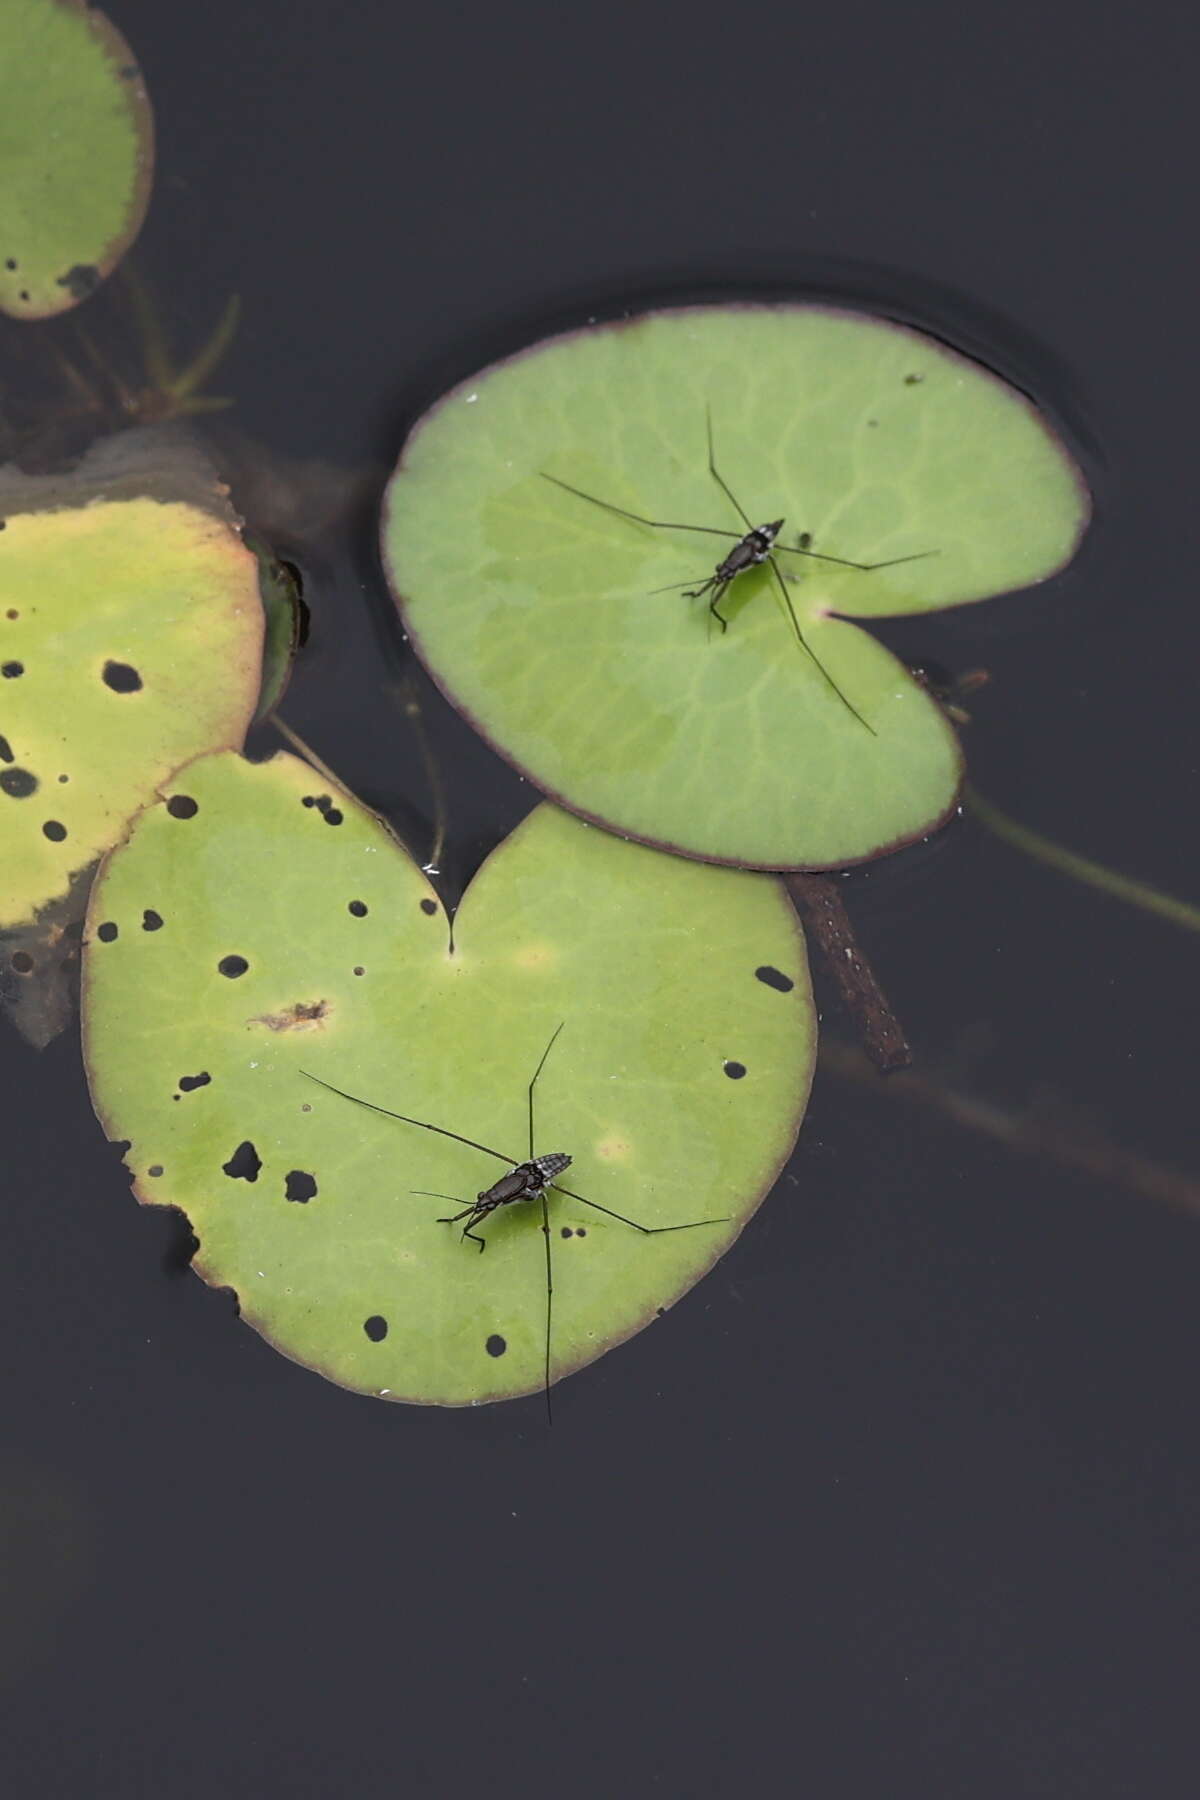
(233, 966)
(375, 1328)
(359, 971)
(10, 670)
(188, 1082)
(182, 806)
(244, 1164)
(18, 783)
(567, 1232)
(775, 978)
(298, 1185)
(22, 962)
(106, 932)
(80, 281)
(151, 921)
(10, 262)
(55, 831)
(496, 1345)
(6, 754)
(912, 380)
(24, 293)
(324, 806)
(64, 778)
(429, 906)
(358, 908)
(122, 678)
(735, 1070)
(155, 1169)
(581, 1231)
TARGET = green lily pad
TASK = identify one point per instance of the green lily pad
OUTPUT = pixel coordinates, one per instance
(257, 924)
(130, 640)
(539, 614)
(77, 150)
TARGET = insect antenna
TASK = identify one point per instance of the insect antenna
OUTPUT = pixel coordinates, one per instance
(779, 581)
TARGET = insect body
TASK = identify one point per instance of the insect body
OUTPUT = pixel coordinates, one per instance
(747, 553)
(528, 1181)
(758, 545)
(531, 1179)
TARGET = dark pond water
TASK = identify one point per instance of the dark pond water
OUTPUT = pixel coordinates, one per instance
(902, 1499)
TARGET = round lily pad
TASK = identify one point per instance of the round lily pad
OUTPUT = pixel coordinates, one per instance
(77, 150)
(259, 929)
(565, 631)
(130, 640)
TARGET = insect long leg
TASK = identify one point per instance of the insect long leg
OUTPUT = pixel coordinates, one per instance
(536, 1073)
(545, 1222)
(549, 1298)
(805, 645)
(845, 562)
(646, 1230)
(405, 1120)
(624, 512)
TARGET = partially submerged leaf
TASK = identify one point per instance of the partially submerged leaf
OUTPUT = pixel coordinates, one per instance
(539, 612)
(130, 640)
(259, 924)
(76, 150)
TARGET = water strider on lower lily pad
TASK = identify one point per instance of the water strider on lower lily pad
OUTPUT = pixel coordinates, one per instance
(290, 932)
(545, 621)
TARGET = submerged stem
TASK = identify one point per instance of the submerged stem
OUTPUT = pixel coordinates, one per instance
(1081, 868)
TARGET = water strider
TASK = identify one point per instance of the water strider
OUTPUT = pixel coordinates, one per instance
(528, 1180)
(758, 544)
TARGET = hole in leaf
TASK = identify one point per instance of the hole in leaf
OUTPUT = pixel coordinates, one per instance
(188, 1082)
(233, 966)
(54, 830)
(300, 1186)
(151, 921)
(10, 670)
(376, 1328)
(106, 932)
(775, 978)
(735, 1070)
(18, 784)
(182, 806)
(496, 1345)
(6, 754)
(155, 1169)
(121, 677)
(244, 1164)
(429, 906)
(358, 908)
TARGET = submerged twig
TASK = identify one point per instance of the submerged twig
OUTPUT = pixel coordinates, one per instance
(1029, 1133)
(824, 915)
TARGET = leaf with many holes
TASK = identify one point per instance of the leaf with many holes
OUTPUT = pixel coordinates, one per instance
(77, 151)
(543, 615)
(257, 924)
(130, 640)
